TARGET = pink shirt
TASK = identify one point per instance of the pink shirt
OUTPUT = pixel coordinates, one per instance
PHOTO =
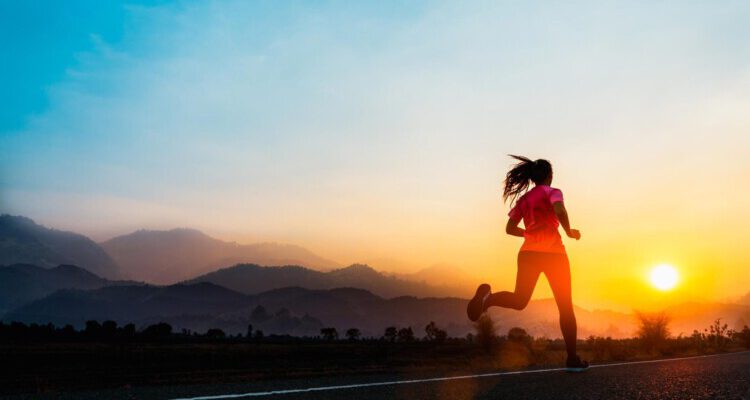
(539, 219)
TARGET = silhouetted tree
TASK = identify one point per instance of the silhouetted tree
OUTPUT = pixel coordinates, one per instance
(109, 329)
(93, 329)
(390, 334)
(215, 334)
(67, 332)
(128, 331)
(249, 333)
(17, 331)
(405, 335)
(435, 334)
(329, 333)
(519, 335)
(258, 335)
(158, 331)
(353, 334)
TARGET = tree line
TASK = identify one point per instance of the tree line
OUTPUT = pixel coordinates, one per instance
(652, 337)
(110, 331)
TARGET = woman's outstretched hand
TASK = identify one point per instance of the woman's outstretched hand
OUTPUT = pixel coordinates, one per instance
(574, 234)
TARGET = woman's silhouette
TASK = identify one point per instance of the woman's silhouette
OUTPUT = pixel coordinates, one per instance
(542, 211)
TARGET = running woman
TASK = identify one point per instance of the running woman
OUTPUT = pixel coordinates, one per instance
(542, 211)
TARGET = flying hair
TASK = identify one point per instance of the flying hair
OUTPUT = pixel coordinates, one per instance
(525, 171)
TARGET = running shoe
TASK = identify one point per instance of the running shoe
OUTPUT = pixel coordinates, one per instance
(476, 304)
(575, 364)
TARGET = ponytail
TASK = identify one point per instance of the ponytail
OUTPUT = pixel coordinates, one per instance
(517, 179)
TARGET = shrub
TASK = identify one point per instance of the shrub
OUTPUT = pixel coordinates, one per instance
(353, 334)
(405, 335)
(93, 329)
(519, 335)
(329, 333)
(435, 334)
(718, 334)
(608, 349)
(160, 331)
(215, 334)
(654, 331)
(743, 336)
(128, 331)
(390, 334)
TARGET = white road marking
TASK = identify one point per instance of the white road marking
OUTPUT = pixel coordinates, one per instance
(438, 379)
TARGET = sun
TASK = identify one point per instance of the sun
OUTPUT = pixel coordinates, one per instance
(664, 277)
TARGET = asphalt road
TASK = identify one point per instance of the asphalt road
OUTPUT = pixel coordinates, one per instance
(725, 376)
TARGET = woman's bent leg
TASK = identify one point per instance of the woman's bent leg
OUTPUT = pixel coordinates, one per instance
(526, 277)
(558, 275)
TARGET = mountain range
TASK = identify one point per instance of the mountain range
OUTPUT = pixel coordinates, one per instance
(198, 306)
(47, 275)
(24, 242)
(164, 257)
(252, 279)
(171, 256)
(157, 257)
(22, 283)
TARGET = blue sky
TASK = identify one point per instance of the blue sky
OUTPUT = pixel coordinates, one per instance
(42, 40)
(373, 131)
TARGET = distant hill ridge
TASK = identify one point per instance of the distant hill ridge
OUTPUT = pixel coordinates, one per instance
(131, 303)
(22, 283)
(253, 279)
(168, 256)
(22, 241)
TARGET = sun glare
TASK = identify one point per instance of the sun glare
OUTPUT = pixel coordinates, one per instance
(664, 277)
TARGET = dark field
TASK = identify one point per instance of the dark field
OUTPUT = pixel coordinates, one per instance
(38, 369)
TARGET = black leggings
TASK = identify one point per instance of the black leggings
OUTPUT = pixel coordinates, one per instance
(557, 269)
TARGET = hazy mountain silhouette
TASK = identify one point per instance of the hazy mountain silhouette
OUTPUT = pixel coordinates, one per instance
(24, 242)
(745, 299)
(300, 311)
(195, 307)
(129, 303)
(164, 257)
(252, 279)
(22, 283)
(291, 310)
(689, 316)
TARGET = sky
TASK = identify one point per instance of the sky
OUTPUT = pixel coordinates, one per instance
(378, 132)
